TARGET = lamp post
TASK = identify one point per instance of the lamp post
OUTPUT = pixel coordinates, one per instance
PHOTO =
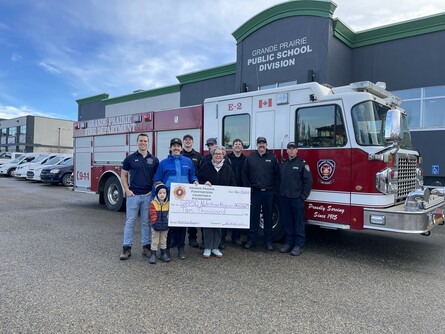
(58, 141)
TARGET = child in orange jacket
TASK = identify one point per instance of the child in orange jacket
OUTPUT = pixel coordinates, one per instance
(159, 207)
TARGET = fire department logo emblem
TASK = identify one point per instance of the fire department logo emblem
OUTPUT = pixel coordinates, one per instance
(326, 169)
(179, 192)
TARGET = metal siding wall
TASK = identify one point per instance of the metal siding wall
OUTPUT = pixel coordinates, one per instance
(422, 141)
(195, 93)
(91, 110)
(340, 63)
(161, 102)
(404, 63)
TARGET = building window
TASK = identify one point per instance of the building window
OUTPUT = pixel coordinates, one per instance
(12, 138)
(236, 127)
(22, 136)
(320, 126)
(3, 136)
(425, 107)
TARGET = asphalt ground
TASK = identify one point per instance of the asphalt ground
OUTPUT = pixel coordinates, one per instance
(60, 273)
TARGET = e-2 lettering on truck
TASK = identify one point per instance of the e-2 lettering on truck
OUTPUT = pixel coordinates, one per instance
(355, 138)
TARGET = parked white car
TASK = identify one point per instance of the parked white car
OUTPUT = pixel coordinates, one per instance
(7, 157)
(21, 170)
(8, 169)
(33, 173)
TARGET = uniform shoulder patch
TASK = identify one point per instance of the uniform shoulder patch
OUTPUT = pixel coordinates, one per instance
(306, 166)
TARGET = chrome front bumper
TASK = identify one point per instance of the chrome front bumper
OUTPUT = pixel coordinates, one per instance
(398, 219)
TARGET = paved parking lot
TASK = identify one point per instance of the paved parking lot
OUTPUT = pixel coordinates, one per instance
(60, 272)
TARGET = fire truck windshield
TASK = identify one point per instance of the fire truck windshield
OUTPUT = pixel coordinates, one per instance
(369, 125)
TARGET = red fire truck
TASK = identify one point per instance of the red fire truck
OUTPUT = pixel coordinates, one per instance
(355, 138)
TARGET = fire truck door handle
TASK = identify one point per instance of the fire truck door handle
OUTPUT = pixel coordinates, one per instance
(282, 147)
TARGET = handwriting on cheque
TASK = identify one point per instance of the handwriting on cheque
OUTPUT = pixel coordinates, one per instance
(207, 206)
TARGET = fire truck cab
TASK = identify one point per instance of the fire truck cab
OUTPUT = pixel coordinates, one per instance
(366, 174)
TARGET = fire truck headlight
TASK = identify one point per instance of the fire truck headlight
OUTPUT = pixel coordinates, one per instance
(386, 181)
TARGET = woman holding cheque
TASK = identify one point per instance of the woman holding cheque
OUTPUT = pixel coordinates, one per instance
(218, 173)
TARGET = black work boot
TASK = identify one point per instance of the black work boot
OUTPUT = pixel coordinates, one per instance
(164, 256)
(146, 250)
(167, 251)
(153, 257)
(181, 253)
(126, 253)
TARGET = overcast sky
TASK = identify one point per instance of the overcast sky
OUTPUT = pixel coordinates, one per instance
(53, 52)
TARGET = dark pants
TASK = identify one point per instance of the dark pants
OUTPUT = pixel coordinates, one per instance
(178, 233)
(292, 216)
(212, 237)
(261, 201)
(236, 234)
(193, 232)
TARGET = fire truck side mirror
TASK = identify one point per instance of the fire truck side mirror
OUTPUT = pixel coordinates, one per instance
(393, 128)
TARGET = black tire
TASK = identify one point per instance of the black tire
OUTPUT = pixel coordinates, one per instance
(67, 180)
(11, 172)
(277, 228)
(113, 194)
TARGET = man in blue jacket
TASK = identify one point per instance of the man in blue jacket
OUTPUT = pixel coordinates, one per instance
(179, 169)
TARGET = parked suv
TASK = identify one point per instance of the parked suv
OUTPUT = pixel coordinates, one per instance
(60, 174)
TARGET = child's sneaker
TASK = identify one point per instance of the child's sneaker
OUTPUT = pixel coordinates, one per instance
(216, 252)
(206, 253)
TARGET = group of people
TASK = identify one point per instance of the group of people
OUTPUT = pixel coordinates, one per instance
(146, 183)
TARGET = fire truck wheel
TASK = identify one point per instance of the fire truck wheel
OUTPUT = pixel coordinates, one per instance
(277, 228)
(113, 194)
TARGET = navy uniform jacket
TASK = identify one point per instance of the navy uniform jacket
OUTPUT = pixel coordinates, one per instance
(261, 171)
(295, 179)
(141, 170)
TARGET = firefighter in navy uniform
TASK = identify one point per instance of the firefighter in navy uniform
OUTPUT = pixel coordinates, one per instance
(295, 187)
(260, 173)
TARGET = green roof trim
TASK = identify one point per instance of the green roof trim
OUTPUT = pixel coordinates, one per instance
(214, 72)
(290, 8)
(390, 32)
(144, 94)
(95, 98)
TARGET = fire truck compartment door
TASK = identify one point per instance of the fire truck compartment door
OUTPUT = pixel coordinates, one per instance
(82, 164)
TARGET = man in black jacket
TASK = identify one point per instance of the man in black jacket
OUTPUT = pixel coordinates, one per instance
(260, 173)
(237, 159)
(196, 158)
(295, 187)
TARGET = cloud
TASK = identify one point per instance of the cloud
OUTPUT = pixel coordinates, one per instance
(16, 57)
(138, 46)
(362, 15)
(7, 112)
(49, 67)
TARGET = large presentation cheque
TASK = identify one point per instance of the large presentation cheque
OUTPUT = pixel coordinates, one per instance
(209, 206)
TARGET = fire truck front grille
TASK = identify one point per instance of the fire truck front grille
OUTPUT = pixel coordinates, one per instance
(406, 167)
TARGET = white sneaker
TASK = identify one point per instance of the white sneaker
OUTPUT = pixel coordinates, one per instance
(206, 253)
(217, 252)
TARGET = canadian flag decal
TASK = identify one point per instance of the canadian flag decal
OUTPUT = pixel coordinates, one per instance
(265, 103)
